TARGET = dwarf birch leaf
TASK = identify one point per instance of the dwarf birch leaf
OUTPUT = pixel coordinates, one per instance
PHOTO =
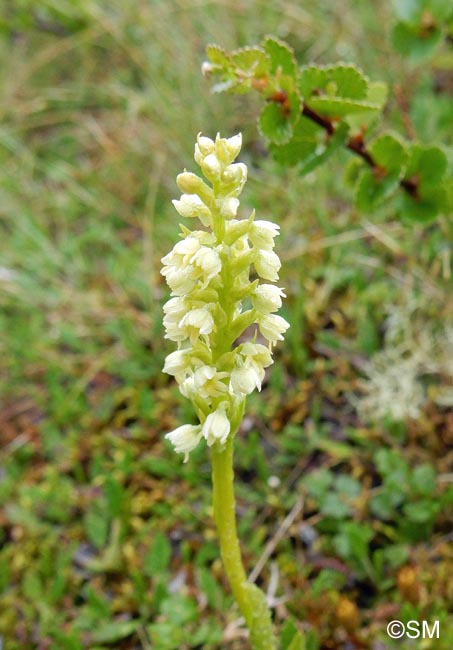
(281, 55)
(218, 55)
(342, 80)
(415, 43)
(409, 11)
(277, 121)
(252, 61)
(429, 163)
(340, 107)
(388, 151)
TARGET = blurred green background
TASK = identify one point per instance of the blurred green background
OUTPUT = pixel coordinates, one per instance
(107, 540)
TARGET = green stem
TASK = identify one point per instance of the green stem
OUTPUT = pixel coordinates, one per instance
(251, 600)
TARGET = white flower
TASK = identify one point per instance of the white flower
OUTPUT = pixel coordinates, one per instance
(197, 322)
(272, 327)
(262, 234)
(173, 314)
(180, 280)
(217, 426)
(208, 260)
(229, 207)
(267, 265)
(257, 354)
(244, 380)
(176, 362)
(208, 382)
(268, 298)
(185, 439)
(190, 206)
(179, 256)
(256, 357)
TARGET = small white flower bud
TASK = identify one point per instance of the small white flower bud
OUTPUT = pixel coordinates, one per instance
(229, 207)
(227, 149)
(272, 327)
(189, 183)
(211, 167)
(262, 234)
(185, 439)
(244, 381)
(234, 145)
(234, 176)
(267, 265)
(205, 145)
(216, 426)
(268, 298)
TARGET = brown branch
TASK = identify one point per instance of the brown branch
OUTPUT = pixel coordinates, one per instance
(355, 143)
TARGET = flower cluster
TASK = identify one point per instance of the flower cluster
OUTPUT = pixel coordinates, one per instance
(214, 300)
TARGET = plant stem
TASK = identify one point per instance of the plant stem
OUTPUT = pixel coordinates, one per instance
(250, 599)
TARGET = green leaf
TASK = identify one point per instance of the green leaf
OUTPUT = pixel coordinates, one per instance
(277, 121)
(389, 151)
(341, 80)
(307, 137)
(421, 512)
(179, 609)
(375, 185)
(427, 167)
(423, 479)
(429, 163)
(115, 496)
(333, 506)
(352, 542)
(310, 146)
(281, 55)
(414, 43)
(377, 92)
(252, 61)
(218, 55)
(383, 505)
(288, 632)
(113, 631)
(440, 10)
(337, 107)
(210, 587)
(414, 11)
(318, 482)
(158, 557)
(348, 486)
(409, 11)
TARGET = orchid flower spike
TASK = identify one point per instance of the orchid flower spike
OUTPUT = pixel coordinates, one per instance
(214, 297)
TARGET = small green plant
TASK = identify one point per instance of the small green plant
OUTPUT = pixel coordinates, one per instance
(311, 111)
(214, 302)
(421, 27)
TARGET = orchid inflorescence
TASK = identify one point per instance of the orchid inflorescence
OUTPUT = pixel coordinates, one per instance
(214, 300)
